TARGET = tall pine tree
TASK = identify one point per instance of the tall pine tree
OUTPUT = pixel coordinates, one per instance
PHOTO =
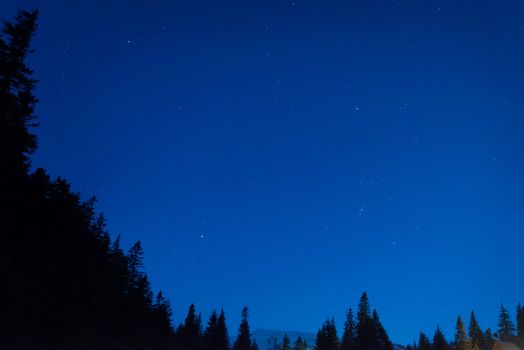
(189, 335)
(215, 335)
(520, 326)
(243, 341)
(326, 338)
(460, 340)
(382, 338)
(366, 329)
(506, 330)
(222, 333)
(17, 101)
(349, 334)
(423, 342)
(210, 333)
(161, 315)
(439, 341)
(475, 333)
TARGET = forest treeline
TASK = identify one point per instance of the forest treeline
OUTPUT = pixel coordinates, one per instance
(473, 337)
(66, 284)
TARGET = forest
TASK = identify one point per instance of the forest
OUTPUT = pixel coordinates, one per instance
(68, 284)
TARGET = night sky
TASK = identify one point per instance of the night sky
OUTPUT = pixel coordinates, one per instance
(289, 155)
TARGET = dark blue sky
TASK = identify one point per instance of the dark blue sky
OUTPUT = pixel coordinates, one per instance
(288, 155)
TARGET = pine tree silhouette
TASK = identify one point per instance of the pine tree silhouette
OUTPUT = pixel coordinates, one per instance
(211, 331)
(475, 333)
(520, 326)
(17, 100)
(366, 334)
(506, 330)
(326, 338)
(460, 339)
(423, 342)
(243, 341)
(349, 334)
(189, 335)
(382, 338)
(222, 333)
(215, 334)
(161, 315)
(439, 340)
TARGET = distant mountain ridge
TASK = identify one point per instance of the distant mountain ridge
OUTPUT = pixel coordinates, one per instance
(264, 338)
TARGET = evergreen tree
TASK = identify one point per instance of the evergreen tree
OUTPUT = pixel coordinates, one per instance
(286, 344)
(326, 338)
(189, 335)
(475, 333)
(211, 331)
(215, 334)
(162, 315)
(364, 313)
(243, 341)
(299, 344)
(506, 330)
(139, 294)
(382, 338)
(460, 340)
(520, 320)
(200, 329)
(423, 342)
(222, 342)
(439, 341)
(135, 260)
(366, 333)
(17, 101)
(520, 326)
(16, 144)
(145, 293)
(349, 334)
